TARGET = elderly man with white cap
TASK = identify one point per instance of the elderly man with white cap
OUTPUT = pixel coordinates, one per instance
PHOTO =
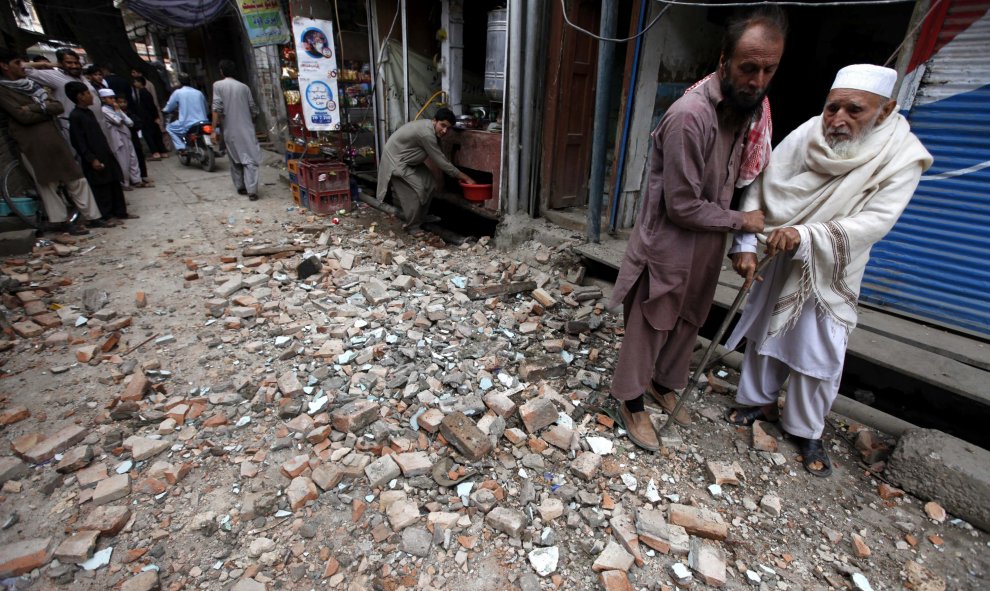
(834, 187)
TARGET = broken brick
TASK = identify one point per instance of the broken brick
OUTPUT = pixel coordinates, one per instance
(354, 416)
(538, 413)
(465, 436)
(63, 439)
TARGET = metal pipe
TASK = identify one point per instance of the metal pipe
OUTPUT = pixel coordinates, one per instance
(405, 64)
(515, 81)
(606, 55)
(371, 14)
(623, 143)
(503, 184)
(529, 92)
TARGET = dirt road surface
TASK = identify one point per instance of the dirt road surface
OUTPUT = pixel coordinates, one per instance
(188, 415)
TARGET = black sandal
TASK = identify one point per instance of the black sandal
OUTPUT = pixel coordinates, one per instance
(745, 416)
(812, 450)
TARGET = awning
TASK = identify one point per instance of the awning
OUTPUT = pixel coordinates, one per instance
(180, 14)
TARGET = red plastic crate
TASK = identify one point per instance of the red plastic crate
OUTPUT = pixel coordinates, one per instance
(323, 176)
(329, 202)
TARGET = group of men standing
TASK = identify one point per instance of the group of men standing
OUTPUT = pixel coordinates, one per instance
(832, 188)
(84, 132)
(41, 117)
(125, 112)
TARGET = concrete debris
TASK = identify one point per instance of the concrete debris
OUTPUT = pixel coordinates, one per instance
(277, 401)
(544, 560)
(935, 466)
(860, 582)
(707, 562)
(681, 575)
(613, 557)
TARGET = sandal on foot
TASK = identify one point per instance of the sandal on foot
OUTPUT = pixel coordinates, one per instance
(747, 415)
(812, 454)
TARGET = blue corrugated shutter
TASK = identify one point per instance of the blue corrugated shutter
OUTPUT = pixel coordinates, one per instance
(935, 263)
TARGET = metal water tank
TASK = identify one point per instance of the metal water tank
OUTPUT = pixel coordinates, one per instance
(498, 28)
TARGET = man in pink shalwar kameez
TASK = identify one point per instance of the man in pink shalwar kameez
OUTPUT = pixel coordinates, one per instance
(667, 280)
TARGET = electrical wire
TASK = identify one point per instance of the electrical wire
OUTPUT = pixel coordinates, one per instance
(670, 3)
(563, 9)
(381, 49)
(340, 35)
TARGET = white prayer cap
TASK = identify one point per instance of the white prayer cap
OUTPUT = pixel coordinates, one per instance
(105, 92)
(875, 79)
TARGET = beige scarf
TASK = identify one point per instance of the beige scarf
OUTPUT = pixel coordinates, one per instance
(846, 205)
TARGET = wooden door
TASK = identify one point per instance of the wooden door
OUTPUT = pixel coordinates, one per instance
(569, 105)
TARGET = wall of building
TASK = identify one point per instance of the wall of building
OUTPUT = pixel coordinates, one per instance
(677, 51)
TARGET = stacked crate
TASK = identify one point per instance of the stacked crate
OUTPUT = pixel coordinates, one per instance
(327, 185)
(294, 153)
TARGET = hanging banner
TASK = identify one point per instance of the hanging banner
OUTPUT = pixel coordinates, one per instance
(264, 22)
(317, 73)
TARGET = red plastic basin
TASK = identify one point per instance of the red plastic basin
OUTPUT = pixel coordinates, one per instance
(476, 193)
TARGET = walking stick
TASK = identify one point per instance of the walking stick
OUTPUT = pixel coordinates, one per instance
(703, 365)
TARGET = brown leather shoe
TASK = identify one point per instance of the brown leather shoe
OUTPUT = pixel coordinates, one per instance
(667, 401)
(639, 428)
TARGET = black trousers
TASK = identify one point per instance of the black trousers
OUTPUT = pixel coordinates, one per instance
(153, 135)
(110, 199)
(136, 140)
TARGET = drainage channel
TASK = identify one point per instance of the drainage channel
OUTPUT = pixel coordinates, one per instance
(462, 220)
(458, 223)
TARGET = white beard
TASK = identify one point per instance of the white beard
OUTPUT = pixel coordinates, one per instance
(847, 149)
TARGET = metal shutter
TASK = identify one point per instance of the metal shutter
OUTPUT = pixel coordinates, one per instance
(935, 263)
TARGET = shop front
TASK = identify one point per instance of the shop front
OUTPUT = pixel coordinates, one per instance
(399, 61)
(932, 265)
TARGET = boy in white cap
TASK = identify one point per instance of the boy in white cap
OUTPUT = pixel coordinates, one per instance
(834, 187)
(118, 126)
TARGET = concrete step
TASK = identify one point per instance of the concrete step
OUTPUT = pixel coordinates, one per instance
(17, 242)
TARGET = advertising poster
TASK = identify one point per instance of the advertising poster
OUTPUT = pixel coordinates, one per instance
(317, 73)
(264, 22)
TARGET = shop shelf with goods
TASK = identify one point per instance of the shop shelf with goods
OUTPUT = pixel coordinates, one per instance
(357, 121)
(290, 91)
(319, 162)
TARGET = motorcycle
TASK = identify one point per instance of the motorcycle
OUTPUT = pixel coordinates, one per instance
(200, 148)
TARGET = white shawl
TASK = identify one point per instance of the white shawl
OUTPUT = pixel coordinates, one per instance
(845, 205)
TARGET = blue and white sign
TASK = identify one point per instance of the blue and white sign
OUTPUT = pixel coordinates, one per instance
(317, 73)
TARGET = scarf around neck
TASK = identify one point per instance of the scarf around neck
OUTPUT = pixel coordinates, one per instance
(846, 205)
(759, 132)
(28, 87)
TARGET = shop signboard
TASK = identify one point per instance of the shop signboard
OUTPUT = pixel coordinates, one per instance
(317, 73)
(264, 22)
